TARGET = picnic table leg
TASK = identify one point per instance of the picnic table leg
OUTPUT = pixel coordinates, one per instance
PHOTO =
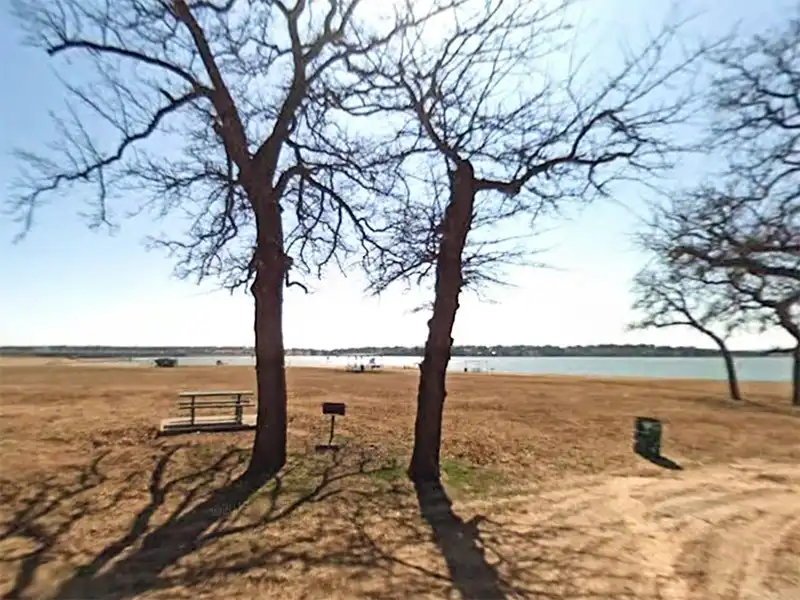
(192, 411)
(238, 409)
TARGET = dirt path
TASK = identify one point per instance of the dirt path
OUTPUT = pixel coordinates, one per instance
(728, 533)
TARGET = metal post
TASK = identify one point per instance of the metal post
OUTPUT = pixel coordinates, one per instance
(330, 440)
(238, 409)
(192, 412)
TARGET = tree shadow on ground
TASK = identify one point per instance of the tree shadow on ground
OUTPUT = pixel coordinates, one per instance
(550, 557)
(44, 514)
(326, 525)
(133, 563)
(787, 410)
(460, 545)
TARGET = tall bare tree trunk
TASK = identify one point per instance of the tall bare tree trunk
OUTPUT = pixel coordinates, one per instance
(269, 447)
(783, 310)
(432, 391)
(796, 375)
(733, 380)
(730, 366)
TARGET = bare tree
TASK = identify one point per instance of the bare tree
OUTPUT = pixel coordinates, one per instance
(669, 298)
(747, 248)
(411, 236)
(223, 112)
(474, 97)
(742, 232)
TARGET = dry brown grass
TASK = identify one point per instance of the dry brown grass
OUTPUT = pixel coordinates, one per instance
(95, 505)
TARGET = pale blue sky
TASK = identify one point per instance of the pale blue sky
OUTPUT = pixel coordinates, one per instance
(68, 285)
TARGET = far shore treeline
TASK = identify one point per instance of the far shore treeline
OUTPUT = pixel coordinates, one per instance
(624, 350)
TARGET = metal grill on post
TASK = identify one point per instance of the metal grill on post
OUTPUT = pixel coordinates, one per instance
(333, 409)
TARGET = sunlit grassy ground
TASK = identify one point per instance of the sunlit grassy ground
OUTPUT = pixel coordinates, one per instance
(95, 505)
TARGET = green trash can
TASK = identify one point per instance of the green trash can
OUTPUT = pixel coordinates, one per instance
(647, 437)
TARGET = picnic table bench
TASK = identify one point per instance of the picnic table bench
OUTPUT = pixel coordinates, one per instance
(236, 399)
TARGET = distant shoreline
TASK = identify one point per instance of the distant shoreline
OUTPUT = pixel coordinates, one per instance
(120, 358)
(477, 352)
(33, 362)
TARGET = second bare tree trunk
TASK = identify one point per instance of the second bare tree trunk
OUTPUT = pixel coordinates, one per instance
(730, 367)
(269, 447)
(730, 364)
(432, 390)
(733, 380)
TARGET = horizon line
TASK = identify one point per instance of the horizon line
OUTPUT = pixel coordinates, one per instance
(375, 347)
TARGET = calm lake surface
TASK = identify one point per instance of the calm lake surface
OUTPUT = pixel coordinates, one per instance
(772, 368)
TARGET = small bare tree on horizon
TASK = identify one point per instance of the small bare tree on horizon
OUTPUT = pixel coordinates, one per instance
(668, 297)
(222, 112)
(506, 139)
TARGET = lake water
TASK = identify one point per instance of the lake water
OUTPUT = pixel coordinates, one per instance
(771, 368)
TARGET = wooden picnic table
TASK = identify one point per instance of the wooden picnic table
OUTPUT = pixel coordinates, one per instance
(236, 399)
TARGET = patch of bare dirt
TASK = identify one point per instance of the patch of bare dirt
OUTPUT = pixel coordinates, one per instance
(715, 533)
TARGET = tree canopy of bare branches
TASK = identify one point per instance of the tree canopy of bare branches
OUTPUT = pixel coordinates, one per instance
(474, 102)
(221, 113)
(740, 232)
(669, 297)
